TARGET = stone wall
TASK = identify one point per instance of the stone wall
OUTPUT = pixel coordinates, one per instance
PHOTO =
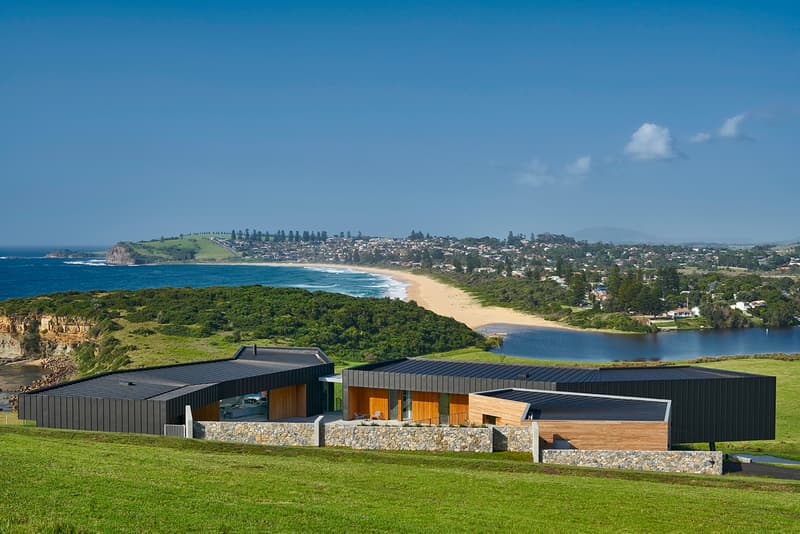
(279, 434)
(512, 438)
(409, 438)
(698, 462)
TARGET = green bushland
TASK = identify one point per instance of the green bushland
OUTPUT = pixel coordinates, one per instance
(785, 367)
(186, 248)
(169, 325)
(69, 481)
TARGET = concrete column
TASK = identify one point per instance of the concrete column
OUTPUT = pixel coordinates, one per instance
(535, 452)
(319, 432)
(188, 423)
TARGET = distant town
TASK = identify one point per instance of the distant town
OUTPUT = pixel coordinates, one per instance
(631, 287)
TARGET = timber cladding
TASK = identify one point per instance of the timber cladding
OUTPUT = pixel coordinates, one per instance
(506, 412)
(607, 435)
(287, 402)
(370, 403)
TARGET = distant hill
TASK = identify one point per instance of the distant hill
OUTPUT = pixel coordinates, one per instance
(173, 249)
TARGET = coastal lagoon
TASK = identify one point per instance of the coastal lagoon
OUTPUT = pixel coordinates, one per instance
(573, 345)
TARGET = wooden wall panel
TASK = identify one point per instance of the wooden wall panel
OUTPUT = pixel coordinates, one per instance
(209, 412)
(425, 407)
(287, 402)
(507, 412)
(459, 409)
(608, 435)
(367, 402)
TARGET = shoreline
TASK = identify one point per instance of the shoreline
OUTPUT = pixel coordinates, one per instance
(442, 299)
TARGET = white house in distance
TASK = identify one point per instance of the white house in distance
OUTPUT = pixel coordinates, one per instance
(684, 313)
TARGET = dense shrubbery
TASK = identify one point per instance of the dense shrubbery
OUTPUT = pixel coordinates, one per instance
(345, 327)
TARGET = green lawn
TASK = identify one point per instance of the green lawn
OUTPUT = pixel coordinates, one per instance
(200, 245)
(787, 406)
(65, 481)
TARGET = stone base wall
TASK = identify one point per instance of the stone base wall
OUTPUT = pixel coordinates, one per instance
(398, 438)
(279, 434)
(697, 462)
(512, 438)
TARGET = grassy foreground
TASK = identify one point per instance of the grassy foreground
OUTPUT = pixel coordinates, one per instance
(74, 481)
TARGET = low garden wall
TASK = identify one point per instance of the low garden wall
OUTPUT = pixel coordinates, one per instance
(409, 438)
(278, 434)
(698, 462)
(512, 438)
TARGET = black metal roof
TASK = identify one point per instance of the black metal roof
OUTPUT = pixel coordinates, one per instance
(548, 405)
(165, 382)
(544, 373)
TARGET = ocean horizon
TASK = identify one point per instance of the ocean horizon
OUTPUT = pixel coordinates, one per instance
(26, 272)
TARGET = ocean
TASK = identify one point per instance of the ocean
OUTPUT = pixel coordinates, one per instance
(26, 272)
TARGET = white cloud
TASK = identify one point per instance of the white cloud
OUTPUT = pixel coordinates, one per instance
(650, 141)
(731, 128)
(536, 173)
(700, 137)
(580, 166)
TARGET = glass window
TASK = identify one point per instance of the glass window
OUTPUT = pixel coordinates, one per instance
(407, 405)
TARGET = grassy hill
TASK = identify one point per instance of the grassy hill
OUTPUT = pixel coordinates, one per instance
(66, 481)
(184, 248)
(175, 325)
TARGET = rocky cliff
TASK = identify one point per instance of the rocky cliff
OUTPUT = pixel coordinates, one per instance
(120, 255)
(57, 335)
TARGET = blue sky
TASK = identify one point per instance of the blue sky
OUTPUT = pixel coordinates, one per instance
(130, 122)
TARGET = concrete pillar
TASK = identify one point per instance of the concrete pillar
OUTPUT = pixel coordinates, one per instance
(319, 431)
(188, 423)
(535, 452)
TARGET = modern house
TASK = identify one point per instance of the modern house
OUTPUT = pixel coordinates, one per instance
(274, 383)
(611, 408)
(707, 405)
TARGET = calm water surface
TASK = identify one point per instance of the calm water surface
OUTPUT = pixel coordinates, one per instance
(555, 344)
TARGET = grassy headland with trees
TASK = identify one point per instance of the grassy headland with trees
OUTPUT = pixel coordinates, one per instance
(174, 325)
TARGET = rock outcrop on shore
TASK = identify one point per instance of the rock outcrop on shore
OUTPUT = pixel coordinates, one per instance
(58, 335)
(120, 255)
(59, 370)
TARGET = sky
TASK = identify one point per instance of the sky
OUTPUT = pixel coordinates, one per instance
(127, 121)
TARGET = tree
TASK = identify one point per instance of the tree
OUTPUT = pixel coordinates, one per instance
(457, 265)
(509, 267)
(577, 288)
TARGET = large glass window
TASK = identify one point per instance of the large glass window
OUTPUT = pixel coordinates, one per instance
(393, 400)
(407, 405)
(444, 408)
(250, 407)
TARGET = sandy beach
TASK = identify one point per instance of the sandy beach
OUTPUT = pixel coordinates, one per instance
(444, 299)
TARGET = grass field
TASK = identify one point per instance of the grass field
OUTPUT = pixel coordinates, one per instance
(201, 247)
(65, 481)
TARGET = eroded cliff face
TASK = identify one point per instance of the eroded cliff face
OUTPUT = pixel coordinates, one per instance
(119, 255)
(57, 335)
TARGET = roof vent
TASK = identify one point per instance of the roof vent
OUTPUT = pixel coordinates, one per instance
(255, 349)
(523, 376)
(126, 383)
